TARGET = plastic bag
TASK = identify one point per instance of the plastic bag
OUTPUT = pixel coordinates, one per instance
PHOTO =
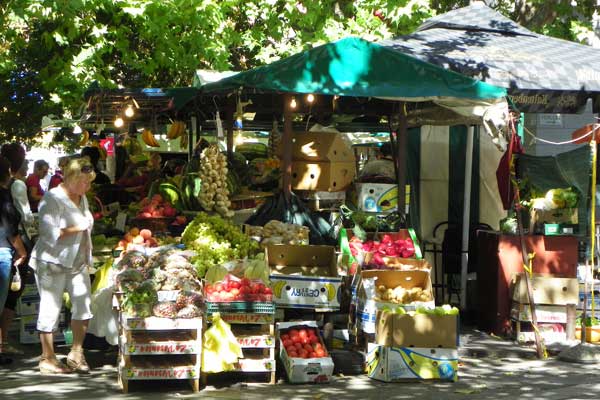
(221, 350)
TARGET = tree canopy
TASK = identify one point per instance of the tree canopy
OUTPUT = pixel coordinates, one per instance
(52, 50)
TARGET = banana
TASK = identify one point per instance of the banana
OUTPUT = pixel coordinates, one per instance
(85, 137)
(181, 128)
(173, 132)
(330, 291)
(278, 287)
(149, 139)
(183, 141)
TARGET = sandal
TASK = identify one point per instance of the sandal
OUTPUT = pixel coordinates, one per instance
(78, 366)
(52, 367)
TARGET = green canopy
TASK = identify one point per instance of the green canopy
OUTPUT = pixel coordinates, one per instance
(356, 67)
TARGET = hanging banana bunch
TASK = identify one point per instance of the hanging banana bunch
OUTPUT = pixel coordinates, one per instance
(149, 139)
(183, 141)
(176, 130)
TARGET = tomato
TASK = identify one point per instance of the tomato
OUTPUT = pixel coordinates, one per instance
(235, 285)
(234, 291)
(290, 348)
(245, 282)
(313, 339)
(320, 353)
(295, 338)
(312, 354)
(318, 346)
(302, 353)
(287, 343)
(219, 287)
(267, 290)
(285, 336)
(308, 348)
(292, 354)
(298, 346)
(293, 332)
(303, 333)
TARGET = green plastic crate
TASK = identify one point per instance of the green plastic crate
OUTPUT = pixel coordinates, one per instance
(240, 307)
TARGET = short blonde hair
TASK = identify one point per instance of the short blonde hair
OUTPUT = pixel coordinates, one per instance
(77, 167)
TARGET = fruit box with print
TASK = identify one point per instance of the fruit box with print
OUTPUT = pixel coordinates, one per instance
(316, 369)
(377, 197)
(419, 346)
(304, 276)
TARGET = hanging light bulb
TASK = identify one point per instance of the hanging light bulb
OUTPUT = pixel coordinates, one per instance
(293, 103)
(129, 111)
(118, 122)
(310, 98)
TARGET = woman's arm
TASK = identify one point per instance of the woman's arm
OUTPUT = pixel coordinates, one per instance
(19, 195)
(20, 253)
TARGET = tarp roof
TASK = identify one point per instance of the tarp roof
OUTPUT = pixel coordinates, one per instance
(542, 74)
(356, 67)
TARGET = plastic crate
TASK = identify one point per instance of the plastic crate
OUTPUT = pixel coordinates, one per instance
(240, 307)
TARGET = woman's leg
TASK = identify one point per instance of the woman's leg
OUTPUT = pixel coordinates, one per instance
(79, 288)
(50, 281)
(5, 266)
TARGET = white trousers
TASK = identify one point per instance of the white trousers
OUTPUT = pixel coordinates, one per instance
(52, 281)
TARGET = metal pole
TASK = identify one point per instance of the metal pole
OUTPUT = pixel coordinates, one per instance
(286, 141)
(464, 260)
(401, 149)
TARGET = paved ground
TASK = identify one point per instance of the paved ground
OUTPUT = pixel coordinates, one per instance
(491, 368)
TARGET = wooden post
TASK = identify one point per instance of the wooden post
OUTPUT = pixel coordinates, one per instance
(571, 316)
(401, 148)
(286, 141)
(229, 120)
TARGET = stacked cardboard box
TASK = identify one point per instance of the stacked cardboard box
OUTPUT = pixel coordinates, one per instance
(551, 297)
(28, 308)
(406, 345)
(322, 161)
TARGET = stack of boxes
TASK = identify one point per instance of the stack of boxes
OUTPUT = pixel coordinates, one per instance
(322, 162)
(593, 332)
(28, 309)
(406, 345)
(551, 297)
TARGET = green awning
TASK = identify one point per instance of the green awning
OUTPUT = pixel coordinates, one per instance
(356, 67)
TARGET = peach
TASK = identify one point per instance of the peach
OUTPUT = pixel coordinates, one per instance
(146, 233)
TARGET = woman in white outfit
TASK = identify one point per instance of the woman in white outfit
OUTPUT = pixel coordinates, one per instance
(60, 259)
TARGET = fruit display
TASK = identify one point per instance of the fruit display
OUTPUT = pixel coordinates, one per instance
(383, 252)
(156, 207)
(303, 342)
(213, 173)
(277, 232)
(216, 241)
(135, 236)
(140, 278)
(149, 139)
(232, 288)
(402, 295)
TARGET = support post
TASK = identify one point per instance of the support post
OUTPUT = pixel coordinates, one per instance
(401, 148)
(286, 141)
(466, 223)
(229, 117)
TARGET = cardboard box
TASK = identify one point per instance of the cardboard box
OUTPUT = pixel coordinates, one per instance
(546, 290)
(304, 370)
(377, 197)
(418, 330)
(589, 301)
(157, 323)
(544, 313)
(320, 146)
(28, 333)
(29, 305)
(551, 333)
(149, 372)
(366, 313)
(322, 176)
(406, 279)
(389, 364)
(304, 276)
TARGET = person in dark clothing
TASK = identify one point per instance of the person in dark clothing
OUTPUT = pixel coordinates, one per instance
(94, 155)
(12, 250)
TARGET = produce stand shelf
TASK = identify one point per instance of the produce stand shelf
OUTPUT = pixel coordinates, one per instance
(159, 349)
(252, 323)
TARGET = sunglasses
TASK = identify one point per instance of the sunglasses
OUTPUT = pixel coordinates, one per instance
(86, 169)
